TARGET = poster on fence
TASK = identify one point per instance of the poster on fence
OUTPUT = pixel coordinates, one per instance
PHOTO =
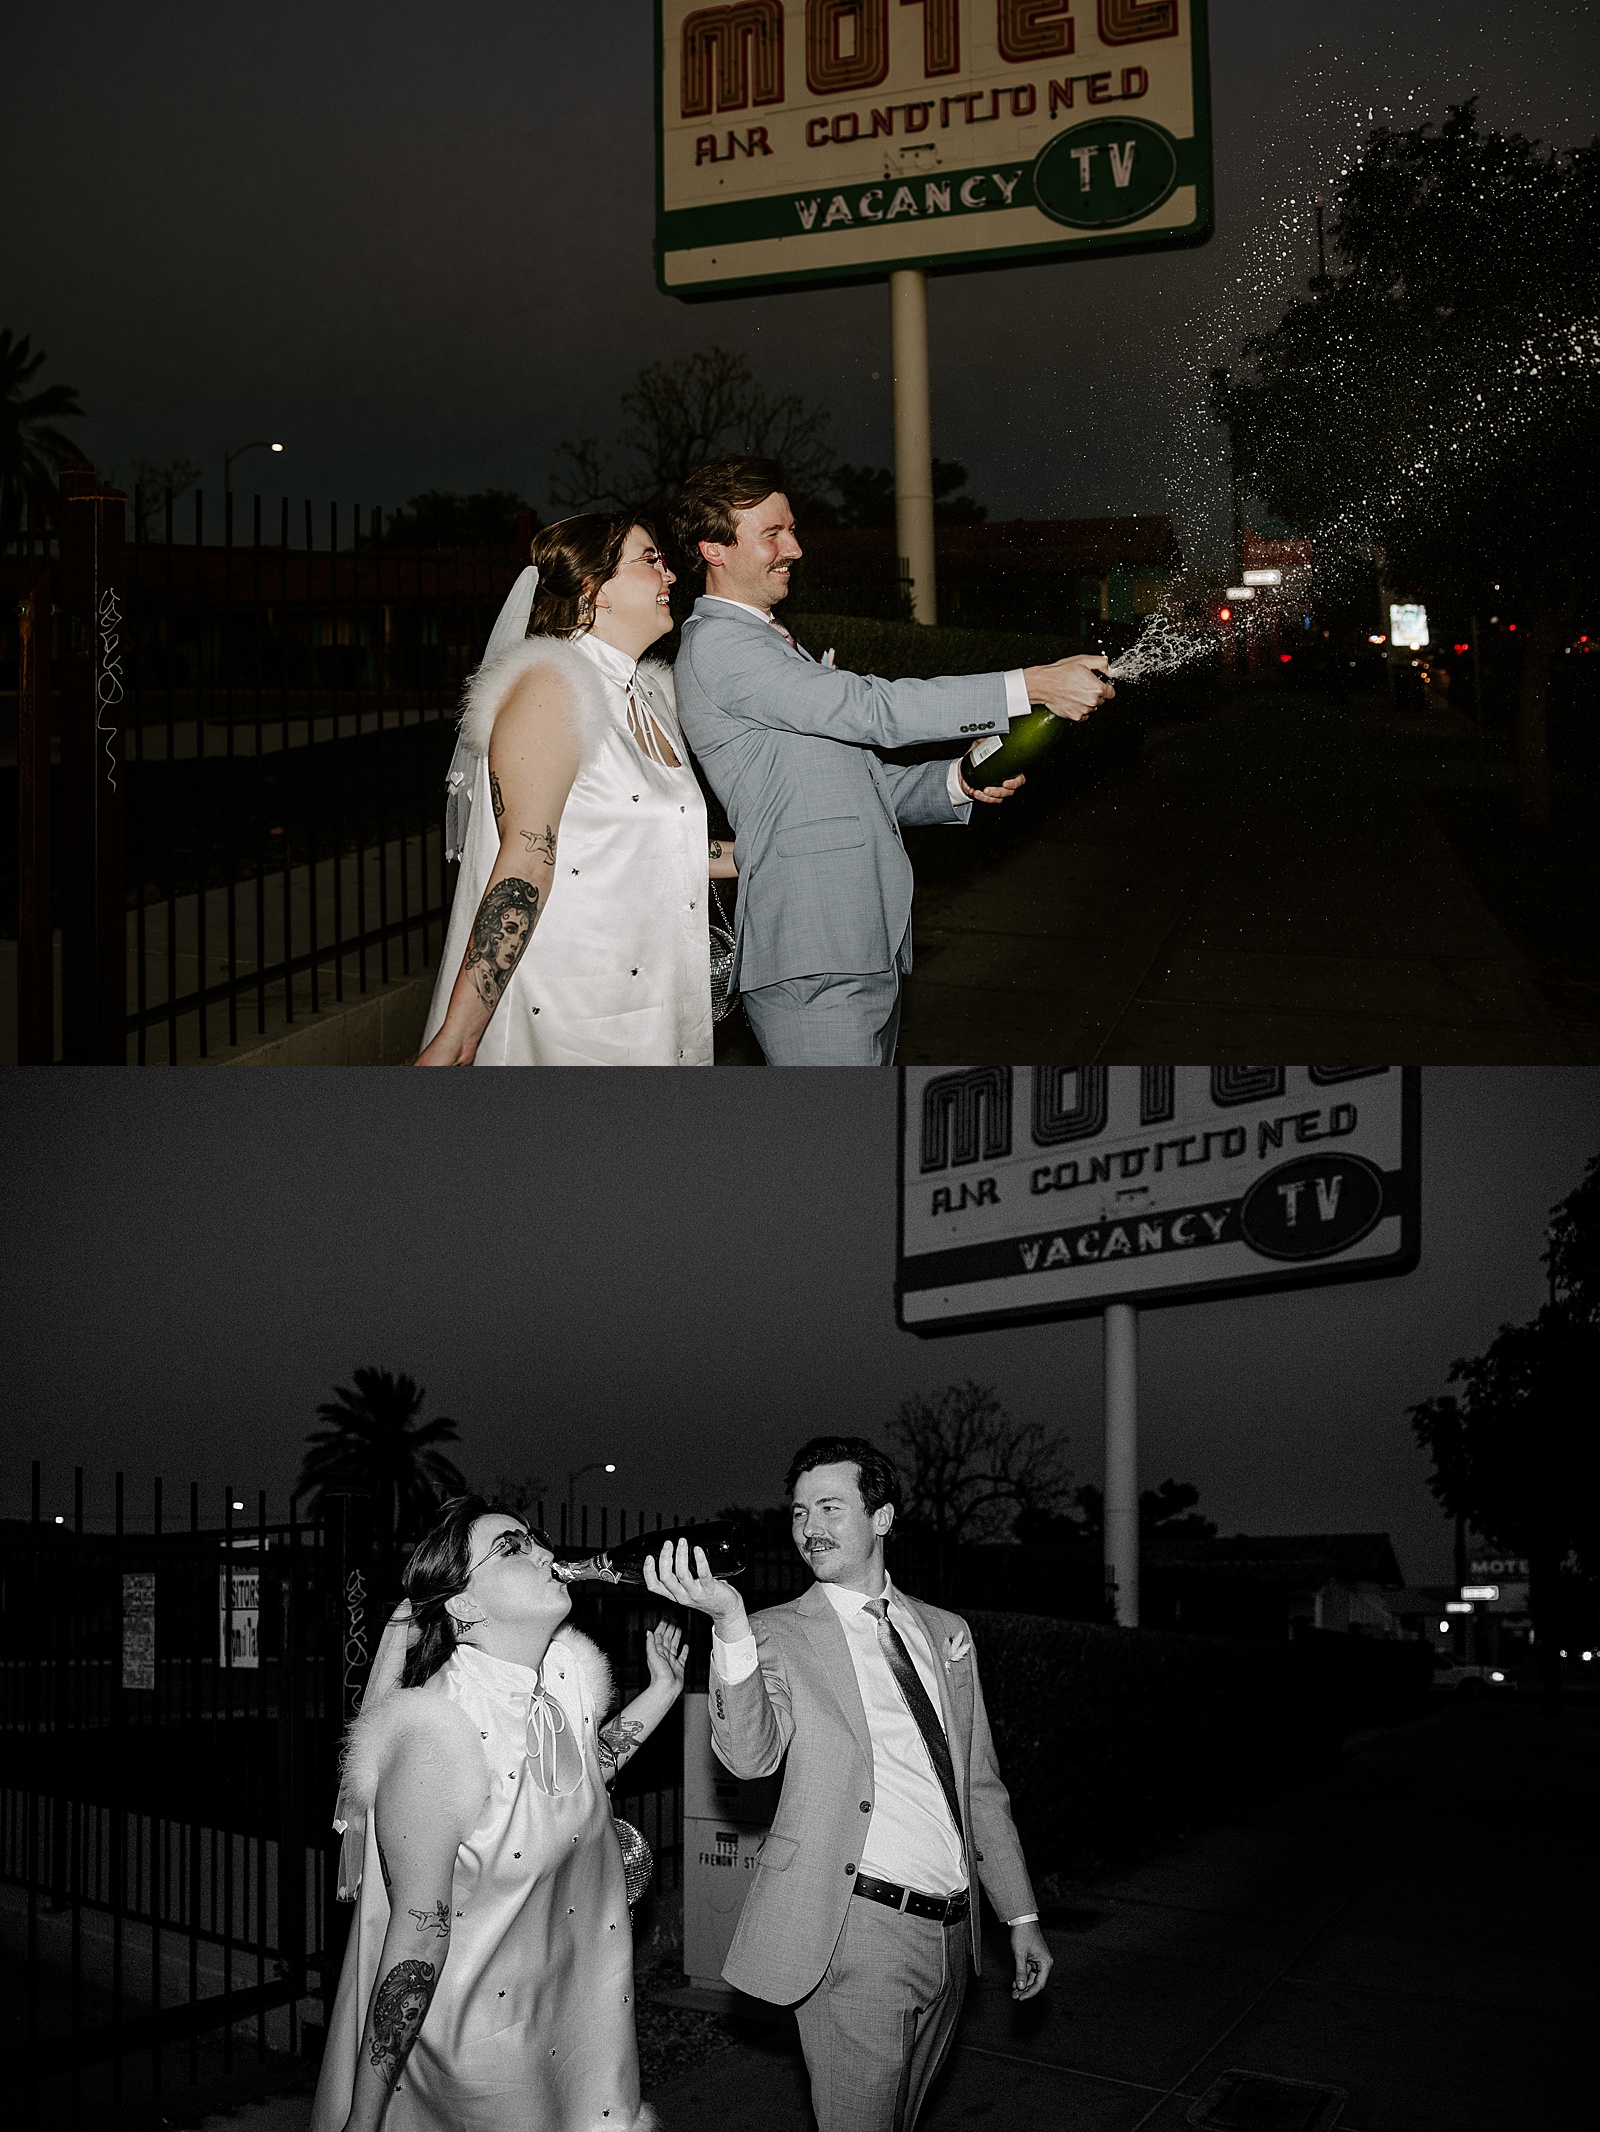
(139, 1630)
(239, 1615)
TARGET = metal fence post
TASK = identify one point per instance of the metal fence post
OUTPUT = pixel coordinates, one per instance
(36, 978)
(94, 926)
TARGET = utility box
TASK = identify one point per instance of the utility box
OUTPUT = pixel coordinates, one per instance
(725, 1820)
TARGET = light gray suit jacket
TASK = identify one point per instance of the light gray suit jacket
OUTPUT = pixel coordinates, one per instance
(788, 745)
(803, 1702)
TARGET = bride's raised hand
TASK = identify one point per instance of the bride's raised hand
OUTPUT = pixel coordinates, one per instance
(667, 1655)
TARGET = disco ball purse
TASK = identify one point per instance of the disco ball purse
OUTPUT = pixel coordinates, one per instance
(723, 989)
(637, 1862)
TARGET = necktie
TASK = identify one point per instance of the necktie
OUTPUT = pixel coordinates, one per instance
(909, 1682)
(778, 626)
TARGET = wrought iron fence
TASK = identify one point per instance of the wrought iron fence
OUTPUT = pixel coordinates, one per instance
(251, 764)
(167, 1706)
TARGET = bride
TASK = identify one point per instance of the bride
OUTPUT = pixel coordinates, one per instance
(579, 934)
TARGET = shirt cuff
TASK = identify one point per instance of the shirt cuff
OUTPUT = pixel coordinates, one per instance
(1016, 695)
(1028, 1917)
(958, 797)
(734, 1660)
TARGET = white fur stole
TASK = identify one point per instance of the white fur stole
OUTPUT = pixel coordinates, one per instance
(582, 693)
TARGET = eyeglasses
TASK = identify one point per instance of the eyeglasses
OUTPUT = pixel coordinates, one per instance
(517, 1540)
(652, 556)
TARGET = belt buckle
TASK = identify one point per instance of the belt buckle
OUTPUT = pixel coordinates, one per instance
(905, 1897)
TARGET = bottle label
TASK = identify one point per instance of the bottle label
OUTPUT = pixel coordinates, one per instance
(981, 750)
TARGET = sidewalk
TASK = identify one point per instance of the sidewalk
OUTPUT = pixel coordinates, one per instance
(1410, 1930)
(1402, 1945)
(1268, 883)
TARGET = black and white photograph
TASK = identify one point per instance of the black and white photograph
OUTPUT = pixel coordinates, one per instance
(896, 538)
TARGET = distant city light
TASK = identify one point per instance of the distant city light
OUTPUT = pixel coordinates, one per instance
(1240, 592)
(275, 447)
(1444, 1628)
(1379, 639)
(61, 1521)
(1497, 1676)
(1408, 626)
(1480, 1591)
(1284, 657)
(1587, 1657)
(1263, 577)
(238, 1506)
(1458, 1606)
(1224, 614)
(1512, 627)
(1460, 649)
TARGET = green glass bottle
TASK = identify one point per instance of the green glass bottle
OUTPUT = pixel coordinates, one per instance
(996, 757)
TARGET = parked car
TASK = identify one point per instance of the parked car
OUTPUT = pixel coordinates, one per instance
(1467, 1680)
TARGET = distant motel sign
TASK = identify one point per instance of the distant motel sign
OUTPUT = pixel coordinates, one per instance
(1049, 1191)
(809, 140)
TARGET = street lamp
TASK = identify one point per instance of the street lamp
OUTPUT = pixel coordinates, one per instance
(595, 1466)
(228, 458)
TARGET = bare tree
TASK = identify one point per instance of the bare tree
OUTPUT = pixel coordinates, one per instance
(681, 414)
(970, 1468)
(157, 482)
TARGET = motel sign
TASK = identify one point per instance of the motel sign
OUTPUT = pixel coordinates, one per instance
(1041, 1192)
(820, 140)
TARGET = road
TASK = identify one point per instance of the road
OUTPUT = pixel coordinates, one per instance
(1268, 882)
(1408, 1934)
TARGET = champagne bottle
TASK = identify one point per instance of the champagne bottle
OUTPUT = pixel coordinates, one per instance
(624, 1564)
(997, 756)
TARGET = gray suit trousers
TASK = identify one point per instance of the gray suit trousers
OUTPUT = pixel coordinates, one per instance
(877, 2028)
(827, 1021)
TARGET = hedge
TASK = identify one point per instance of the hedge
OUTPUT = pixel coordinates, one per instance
(898, 650)
(1109, 1739)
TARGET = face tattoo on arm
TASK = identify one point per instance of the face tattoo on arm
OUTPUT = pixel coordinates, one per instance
(397, 2011)
(502, 929)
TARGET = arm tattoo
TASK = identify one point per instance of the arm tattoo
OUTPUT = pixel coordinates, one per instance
(397, 2011)
(716, 849)
(618, 1742)
(494, 794)
(502, 929)
(435, 1920)
(541, 844)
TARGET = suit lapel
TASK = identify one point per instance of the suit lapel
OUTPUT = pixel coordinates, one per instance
(825, 1634)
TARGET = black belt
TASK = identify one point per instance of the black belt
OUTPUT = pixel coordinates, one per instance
(949, 1909)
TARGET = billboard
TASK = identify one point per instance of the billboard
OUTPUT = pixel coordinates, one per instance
(823, 140)
(1030, 1193)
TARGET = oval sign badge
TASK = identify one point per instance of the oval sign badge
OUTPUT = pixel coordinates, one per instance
(1110, 171)
(1312, 1208)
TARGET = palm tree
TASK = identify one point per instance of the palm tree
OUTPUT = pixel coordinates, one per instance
(32, 450)
(375, 1446)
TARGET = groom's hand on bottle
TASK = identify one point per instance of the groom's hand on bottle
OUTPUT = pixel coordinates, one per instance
(1071, 687)
(990, 793)
(673, 1577)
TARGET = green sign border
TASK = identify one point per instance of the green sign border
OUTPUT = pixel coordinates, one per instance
(1195, 157)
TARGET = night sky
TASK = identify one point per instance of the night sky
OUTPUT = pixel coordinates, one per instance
(413, 242)
(687, 1274)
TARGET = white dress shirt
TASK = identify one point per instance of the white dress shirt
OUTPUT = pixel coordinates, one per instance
(1016, 708)
(910, 1837)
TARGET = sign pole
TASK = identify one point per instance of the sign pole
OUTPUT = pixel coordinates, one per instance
(1122, 1460)
(913, 436)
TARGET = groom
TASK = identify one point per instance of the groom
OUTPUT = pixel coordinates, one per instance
(863, 1913)
(791, 750)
